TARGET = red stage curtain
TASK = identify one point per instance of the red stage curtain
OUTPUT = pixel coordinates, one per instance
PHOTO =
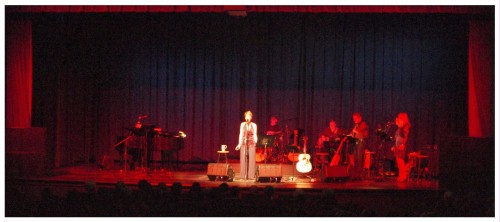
(481, 69)
(19, 67)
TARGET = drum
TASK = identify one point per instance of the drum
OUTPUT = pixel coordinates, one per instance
(294, 157)
(261, 154)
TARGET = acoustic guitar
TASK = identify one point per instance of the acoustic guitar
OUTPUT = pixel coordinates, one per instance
(304, 165)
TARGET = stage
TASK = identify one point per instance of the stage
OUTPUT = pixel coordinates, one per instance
(191, 173)
(379, 194)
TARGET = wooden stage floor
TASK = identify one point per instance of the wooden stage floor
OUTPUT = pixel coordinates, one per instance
(187, 175)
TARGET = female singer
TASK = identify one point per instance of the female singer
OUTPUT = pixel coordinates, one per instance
(400, 139)
(247, 142)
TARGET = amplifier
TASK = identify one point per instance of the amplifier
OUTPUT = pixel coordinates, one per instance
(220, 171)
(268, 173)
(336, 173)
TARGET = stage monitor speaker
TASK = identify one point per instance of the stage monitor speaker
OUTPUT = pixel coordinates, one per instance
(269, 173)
(336, 173)
(220, 171)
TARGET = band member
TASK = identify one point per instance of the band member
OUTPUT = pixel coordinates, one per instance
(328, 137)
(247, 141)
(400, 141)
(357, 149)
(273, 128)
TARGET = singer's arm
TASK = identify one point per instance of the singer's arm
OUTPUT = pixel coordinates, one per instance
(240, 138)
(255, 134)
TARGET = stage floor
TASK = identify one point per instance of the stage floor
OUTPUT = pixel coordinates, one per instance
(187, 175)
(382, 195)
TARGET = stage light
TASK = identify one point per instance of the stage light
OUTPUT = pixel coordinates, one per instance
(182, 134)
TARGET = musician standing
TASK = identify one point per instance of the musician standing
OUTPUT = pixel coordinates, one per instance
(247, 141)
(357, 150)
(400, 141)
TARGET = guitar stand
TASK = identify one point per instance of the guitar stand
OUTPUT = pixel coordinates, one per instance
(265, 153)
(293, 178)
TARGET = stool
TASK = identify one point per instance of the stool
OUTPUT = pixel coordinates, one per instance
(415, 160)
(368, 162)
(419, 158)
(223, 153)
(321, 159)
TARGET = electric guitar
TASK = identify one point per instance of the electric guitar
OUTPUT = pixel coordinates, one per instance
(336, 159)
(304, 165)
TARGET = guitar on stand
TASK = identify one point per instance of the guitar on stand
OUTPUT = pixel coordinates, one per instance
(303, 164)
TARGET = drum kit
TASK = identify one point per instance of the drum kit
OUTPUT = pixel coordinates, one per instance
(270, 149)
(273, 149)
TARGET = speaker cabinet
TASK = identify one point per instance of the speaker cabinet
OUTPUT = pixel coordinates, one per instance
(220, 171)
(335, 173)
(269, 173)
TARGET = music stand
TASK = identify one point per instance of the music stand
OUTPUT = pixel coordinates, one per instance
(330, 147)
(123, 145)
(263, 140)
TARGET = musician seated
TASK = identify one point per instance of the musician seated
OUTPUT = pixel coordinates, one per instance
(328, 138)
(273, 128)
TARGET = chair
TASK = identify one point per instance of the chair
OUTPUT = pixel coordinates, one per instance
(321, 159)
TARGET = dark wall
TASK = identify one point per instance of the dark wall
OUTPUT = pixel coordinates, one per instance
(196, 72)
(468, 165)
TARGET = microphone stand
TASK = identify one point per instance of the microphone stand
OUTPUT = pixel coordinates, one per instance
(125, 154)
(247, 160)
(265, 153)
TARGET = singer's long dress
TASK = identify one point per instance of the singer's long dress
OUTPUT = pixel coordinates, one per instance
(400, 139)
(247, 141)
